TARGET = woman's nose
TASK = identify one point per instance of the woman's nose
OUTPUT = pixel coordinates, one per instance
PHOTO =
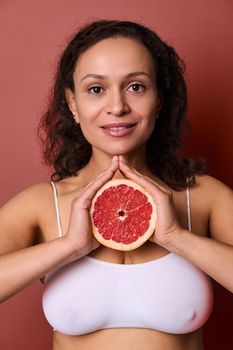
(117, 104)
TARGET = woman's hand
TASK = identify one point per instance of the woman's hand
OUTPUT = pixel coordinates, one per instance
(167, 227)
(80, 231)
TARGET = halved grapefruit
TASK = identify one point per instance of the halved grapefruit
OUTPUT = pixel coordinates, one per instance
(123, 215)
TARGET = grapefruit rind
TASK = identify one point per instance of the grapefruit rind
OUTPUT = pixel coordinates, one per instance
(140, 240)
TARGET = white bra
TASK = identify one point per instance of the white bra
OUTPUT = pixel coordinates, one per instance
(168, 294)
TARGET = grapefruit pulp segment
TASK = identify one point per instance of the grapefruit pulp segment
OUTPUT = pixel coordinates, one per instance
(123, 215)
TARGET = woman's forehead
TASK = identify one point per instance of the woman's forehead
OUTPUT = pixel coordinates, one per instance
(115, 56)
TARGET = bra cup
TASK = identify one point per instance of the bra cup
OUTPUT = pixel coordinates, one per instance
(182, 297)
(73, 298)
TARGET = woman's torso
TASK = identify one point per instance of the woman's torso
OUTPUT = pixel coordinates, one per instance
(124, 338)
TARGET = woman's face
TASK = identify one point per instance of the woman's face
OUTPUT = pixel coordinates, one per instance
(116, 99)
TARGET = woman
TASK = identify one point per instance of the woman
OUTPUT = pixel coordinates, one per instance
(118, 109)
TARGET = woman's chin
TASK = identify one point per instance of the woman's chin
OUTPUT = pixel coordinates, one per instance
(120, 149)
(123, 151)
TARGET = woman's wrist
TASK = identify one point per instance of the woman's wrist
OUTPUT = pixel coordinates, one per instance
(71, 249)
(179, 241)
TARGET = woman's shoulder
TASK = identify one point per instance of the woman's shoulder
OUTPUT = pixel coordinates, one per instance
(29, 201)
(35, 191)
(43, 192)
(211, 185)
(216, 197)
(20, 216)
(208, 192)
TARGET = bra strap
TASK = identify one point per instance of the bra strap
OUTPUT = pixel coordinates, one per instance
(57, 209)
(189, 208)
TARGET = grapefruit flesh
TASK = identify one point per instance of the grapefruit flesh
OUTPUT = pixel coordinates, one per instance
(123, 215)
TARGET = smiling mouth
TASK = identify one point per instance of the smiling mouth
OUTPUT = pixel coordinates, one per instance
(119, 127)
(119, 130)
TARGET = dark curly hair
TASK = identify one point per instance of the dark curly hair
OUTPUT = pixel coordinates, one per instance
(63, 143)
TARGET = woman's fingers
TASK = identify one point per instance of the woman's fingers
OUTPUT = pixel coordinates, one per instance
(167, 227)
(79, 229)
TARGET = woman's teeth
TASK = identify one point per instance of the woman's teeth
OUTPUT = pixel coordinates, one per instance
(119, 128)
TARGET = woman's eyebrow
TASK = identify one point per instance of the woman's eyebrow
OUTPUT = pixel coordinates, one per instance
(100, 76)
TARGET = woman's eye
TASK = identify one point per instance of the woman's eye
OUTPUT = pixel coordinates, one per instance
(95, 90)
(137, 87)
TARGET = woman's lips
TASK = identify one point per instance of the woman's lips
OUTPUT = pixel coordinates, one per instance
(119, 131)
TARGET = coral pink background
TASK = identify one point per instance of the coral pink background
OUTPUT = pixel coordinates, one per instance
(32, 34)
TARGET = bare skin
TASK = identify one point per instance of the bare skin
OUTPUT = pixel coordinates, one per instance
(123, 87)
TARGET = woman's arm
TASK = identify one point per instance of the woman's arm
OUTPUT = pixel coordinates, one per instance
(21, 263)
(212, 255)
(19, 269)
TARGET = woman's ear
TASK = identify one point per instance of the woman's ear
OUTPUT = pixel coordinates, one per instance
(71, 103)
